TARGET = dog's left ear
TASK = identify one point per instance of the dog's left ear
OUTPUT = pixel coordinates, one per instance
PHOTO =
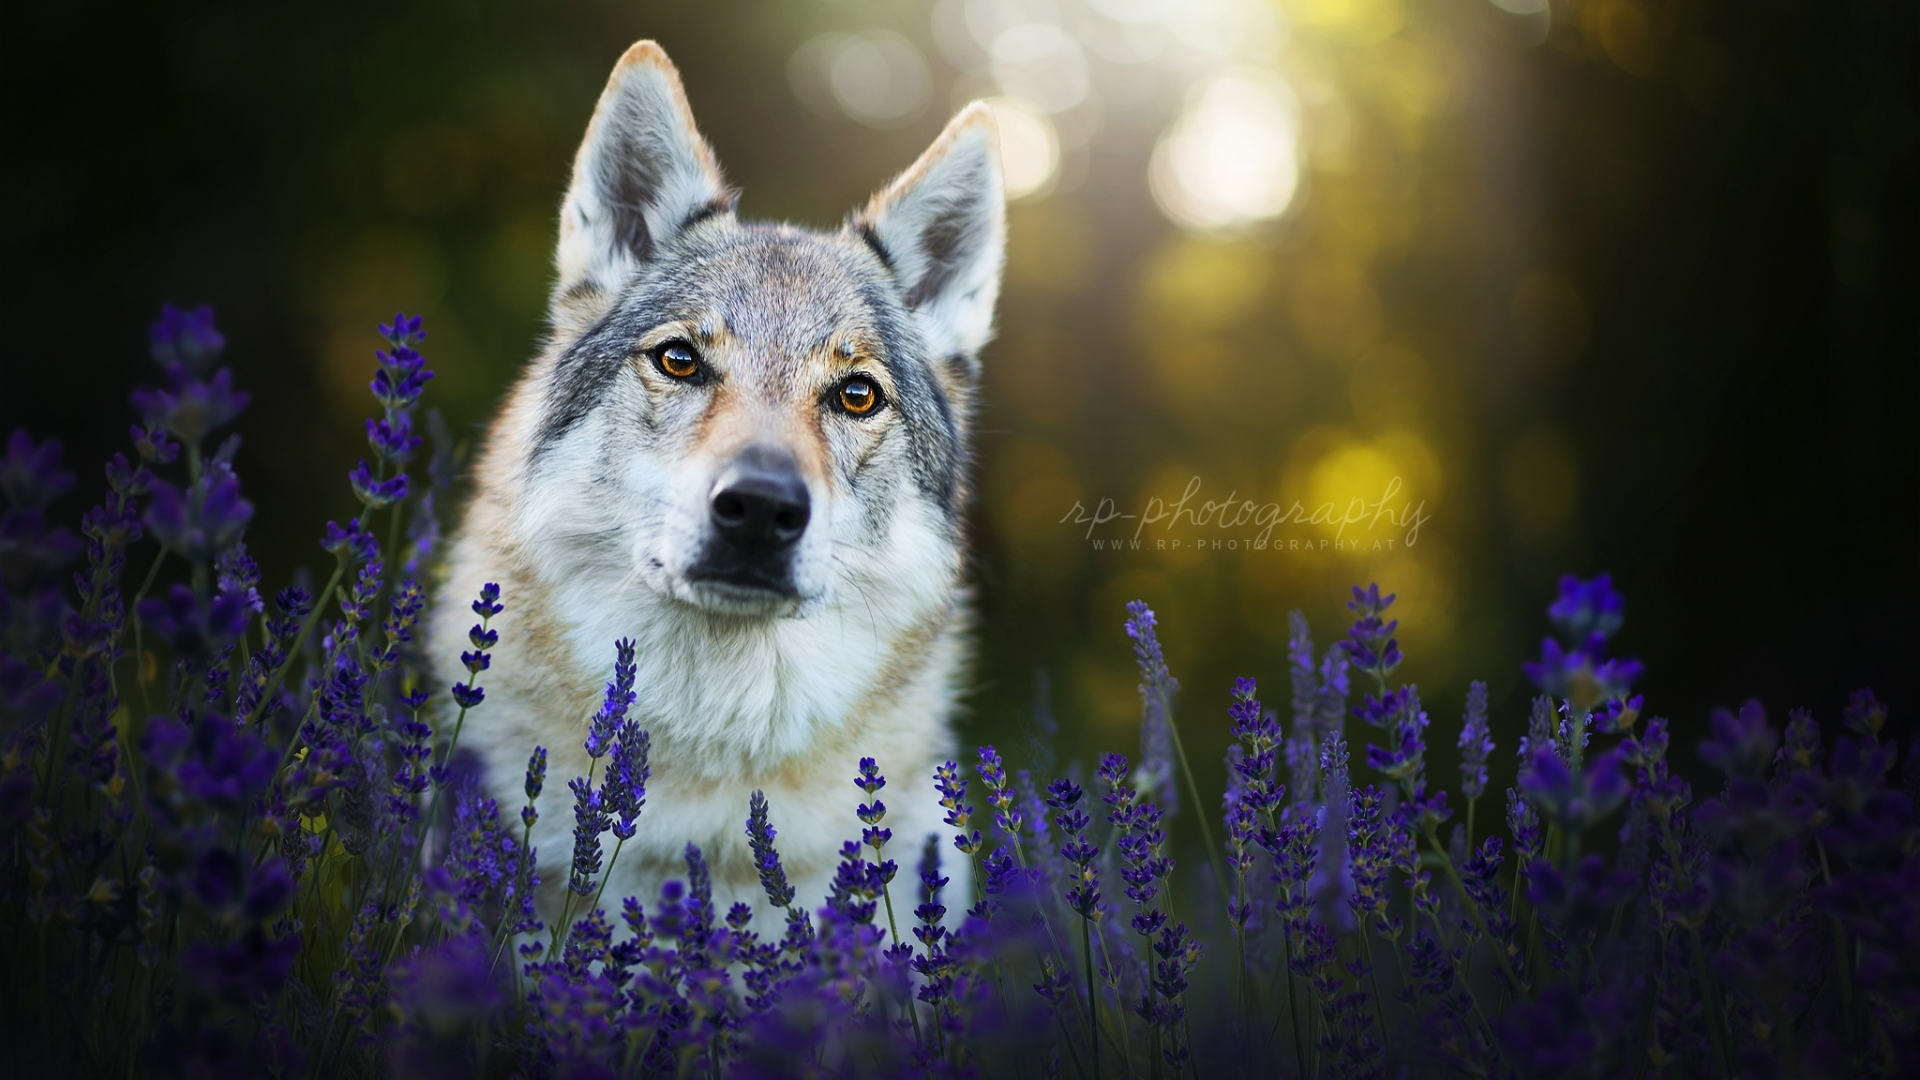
(941, 227)
(642, 175)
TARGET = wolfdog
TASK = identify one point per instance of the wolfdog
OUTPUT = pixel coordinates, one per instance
(745, 447)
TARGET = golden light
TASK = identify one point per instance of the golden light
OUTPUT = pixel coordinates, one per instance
(877, 78)
(1232, 158)
(1029, 148)
(1042, 64)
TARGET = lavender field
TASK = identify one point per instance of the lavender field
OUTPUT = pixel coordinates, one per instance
(240, 840)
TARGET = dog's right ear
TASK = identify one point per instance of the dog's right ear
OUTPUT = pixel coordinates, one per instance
(643, 173)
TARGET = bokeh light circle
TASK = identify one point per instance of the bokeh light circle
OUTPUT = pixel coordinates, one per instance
(1029, 148)
(1232, 159)
(877, 78)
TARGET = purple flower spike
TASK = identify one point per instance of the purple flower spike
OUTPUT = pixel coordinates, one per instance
(351, 543)
(190, 408)
(1864, 715)
(30, 475)
(1141, 628)
(590, 821)
(186, 338)
(619, 697)
(766, 859)
(1575, 802)
(1370, 643)
(1742, 745)
(202, 521)
(489, 603)
(1575, 667)
(1476, 743)
(1586, 608)
(1331, 886)
(191, 627)
(536, 782)
(627, 774)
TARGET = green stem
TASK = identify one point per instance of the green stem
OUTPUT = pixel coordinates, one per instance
(1843, 952)
(893, 931)
(1293, 1010)
(133, 611)
(1467, 985)
(1243, 974)
(1709, 1005)
(1126, 1029)
(1379, 1012)
(614, 858)
(258, 715)
(1193, 792)
(1466, 902)
(1093, 1008)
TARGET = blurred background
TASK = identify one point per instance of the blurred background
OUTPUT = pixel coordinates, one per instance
(1586, 285)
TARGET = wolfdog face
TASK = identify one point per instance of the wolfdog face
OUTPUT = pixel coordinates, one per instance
(759, 421)
(745, 449)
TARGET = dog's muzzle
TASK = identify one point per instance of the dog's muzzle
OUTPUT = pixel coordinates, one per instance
(757, 511)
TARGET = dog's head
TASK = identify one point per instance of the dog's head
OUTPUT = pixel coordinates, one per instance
(760, 419)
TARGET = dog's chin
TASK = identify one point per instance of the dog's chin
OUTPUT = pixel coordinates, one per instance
(737, 594)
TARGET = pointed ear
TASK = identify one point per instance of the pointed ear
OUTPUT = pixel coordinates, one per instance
(642, 174)
(941, 227)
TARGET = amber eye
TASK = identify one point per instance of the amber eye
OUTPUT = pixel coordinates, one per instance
(676, 358)
(859, 395)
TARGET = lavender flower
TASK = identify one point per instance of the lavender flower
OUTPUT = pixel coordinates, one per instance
(189, 407)
(187, 338)
(1370, 645)
(1574, 802)
(605, 723)
(1157, 690)
(536, 782)
(482, 637)
(1586, 608)
(1331, 886)
(993, 774)
(1476, 743)
(1259, 735)
(397, 385)
(760, 833)
(627, 775)
(201, 520)
(268, 823)
(1864, 715)
(1063, 796)
(953, 798)
(1743, 744)
(590, 821)
(1576, 667)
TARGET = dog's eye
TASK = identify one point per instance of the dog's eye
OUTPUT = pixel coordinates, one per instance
(859, 395)
(677, 360)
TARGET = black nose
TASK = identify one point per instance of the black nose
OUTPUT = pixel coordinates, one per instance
(759, 503)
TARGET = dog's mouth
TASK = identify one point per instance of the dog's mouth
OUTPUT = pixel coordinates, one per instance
(742, 589)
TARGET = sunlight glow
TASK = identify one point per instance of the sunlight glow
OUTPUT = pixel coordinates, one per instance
(1232, 158)
(877, 78)
(1029, 148)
